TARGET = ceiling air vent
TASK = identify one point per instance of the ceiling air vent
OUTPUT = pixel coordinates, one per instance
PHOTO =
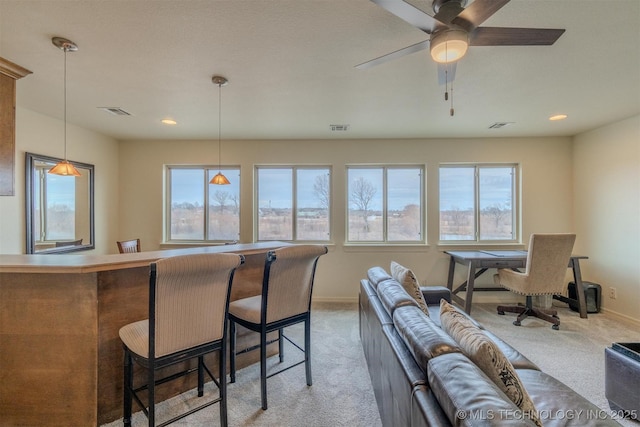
(116, 111)
(339, 128)
(498, 125)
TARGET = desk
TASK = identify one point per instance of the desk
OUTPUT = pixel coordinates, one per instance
(478, 262)
(60, 353)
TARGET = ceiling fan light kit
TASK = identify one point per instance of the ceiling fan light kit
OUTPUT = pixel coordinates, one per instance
(454, 27)
(449, 45)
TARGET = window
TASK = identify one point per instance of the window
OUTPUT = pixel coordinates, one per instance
(478, 203)
(55, 206)
(385, 204)
(199, 211)
(293, 203)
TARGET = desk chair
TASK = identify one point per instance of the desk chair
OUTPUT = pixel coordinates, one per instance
(129, 246)
(286, 300)
(547, 262)
(188, 303)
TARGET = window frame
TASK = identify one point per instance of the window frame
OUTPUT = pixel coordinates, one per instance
(294, 205)
(208, 172)
(516, 210)
(385, 214)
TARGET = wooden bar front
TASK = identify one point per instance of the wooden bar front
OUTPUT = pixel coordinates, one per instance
(60, 353)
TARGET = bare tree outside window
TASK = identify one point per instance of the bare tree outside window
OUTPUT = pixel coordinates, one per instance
(221, 197)
(362, 193)
(236, 202)
(321, 190)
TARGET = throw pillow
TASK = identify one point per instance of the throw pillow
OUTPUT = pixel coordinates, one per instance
(409, 282)
(485, 354)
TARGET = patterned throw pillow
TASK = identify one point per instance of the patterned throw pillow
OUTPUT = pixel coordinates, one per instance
(410, 284)
(486, 355)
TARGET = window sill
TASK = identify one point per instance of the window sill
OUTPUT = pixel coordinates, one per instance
(388, 247)
(451, 246)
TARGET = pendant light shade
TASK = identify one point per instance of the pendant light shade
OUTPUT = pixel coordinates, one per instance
(219, 178)
(64, 168)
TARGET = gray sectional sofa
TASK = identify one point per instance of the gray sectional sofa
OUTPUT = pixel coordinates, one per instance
(422, 377)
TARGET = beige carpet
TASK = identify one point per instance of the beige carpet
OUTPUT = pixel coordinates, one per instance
(574, 354)
(341, 394)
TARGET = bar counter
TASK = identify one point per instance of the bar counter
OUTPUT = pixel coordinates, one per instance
(60, 353)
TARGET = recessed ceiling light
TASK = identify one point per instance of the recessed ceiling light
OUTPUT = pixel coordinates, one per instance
(558, 117)
(169, 122)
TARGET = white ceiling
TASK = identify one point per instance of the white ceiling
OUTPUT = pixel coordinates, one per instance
(290, 65)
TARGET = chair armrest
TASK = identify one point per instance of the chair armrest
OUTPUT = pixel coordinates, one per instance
(433, 294)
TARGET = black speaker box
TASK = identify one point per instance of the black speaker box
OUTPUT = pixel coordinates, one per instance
(593, 294)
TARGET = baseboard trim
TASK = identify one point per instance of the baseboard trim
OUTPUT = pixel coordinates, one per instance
(621, 317)
(344, 300)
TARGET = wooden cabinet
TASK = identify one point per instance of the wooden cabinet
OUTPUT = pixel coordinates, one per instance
(9, 73)
(60, 353)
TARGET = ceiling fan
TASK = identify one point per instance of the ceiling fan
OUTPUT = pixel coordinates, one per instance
(453, 27)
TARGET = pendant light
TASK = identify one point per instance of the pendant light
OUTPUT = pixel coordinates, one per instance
(219, 178)
(65, 168)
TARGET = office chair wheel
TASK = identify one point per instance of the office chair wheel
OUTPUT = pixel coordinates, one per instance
(555, 327)
(516, 322)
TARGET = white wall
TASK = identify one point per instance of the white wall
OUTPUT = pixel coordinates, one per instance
(546, 183)
(588, 185)
(40, 134)
(607, 211)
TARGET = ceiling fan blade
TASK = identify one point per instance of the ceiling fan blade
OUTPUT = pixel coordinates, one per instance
(499, 36)
(477, 12)
(394, 55)
(409, 13)
(446, 72)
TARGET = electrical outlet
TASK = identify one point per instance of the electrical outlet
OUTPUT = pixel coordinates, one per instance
(612, 293)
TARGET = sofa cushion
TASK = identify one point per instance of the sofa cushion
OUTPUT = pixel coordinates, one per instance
(487, 356)
(467, 396)
(410, 283)
(517, 359)
(424, 339)
(436, 317)
(392, 296)
(559, 405)
(377, 275)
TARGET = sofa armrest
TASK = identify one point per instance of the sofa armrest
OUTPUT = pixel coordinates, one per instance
(433, 294)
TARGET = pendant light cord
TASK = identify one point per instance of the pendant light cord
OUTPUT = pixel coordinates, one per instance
(66, 49)
(219, 122)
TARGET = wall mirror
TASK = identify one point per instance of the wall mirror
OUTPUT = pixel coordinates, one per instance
(59, 209)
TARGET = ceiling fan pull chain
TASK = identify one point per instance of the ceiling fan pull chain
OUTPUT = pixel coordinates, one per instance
(446, 77)
(446, 83)
(451, 110)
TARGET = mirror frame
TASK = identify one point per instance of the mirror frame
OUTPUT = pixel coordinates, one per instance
(30, 160)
